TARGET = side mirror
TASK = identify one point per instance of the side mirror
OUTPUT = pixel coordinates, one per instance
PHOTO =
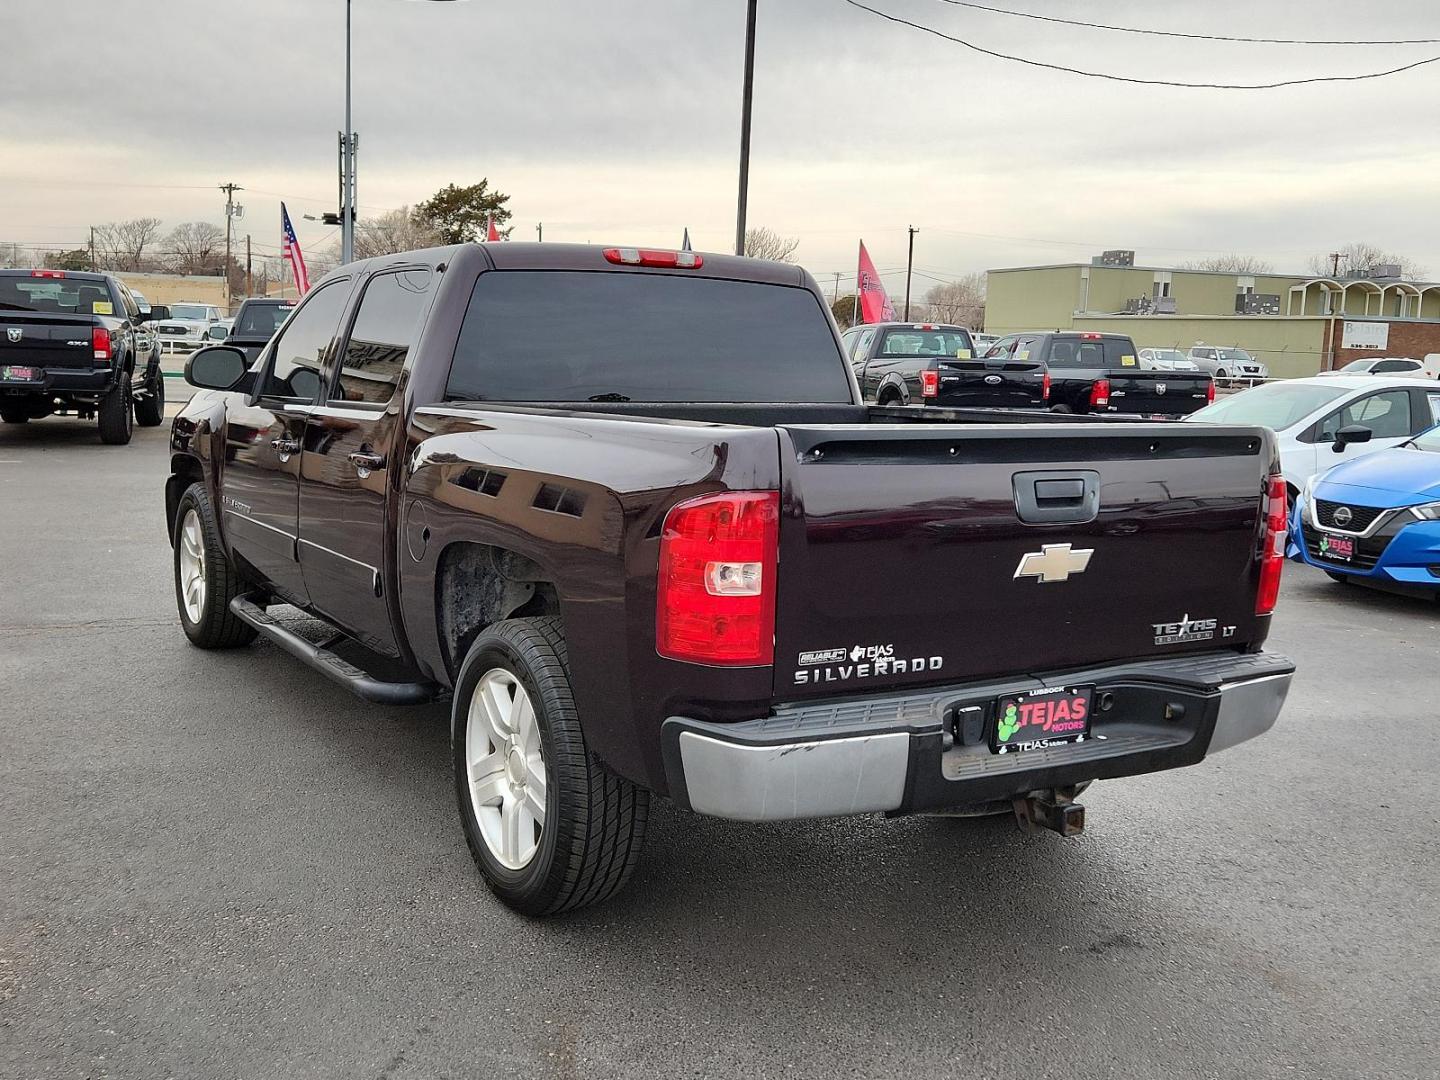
(1351, 433)
(215, 367)
(217, 333)
(158, 312)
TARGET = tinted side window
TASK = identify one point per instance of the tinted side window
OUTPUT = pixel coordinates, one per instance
(386, 327)
(1002, 347)
(300, 351)
(609, 336)
(1394, 365)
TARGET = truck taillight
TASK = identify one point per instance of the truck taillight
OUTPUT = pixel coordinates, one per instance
(1210, 392)
(929, 384)
(100, 342)
(1045, 388)
(677, 260)
(715, 599)
(1100, 393)
(1272, 555)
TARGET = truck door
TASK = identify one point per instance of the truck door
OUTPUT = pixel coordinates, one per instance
(346, 476)
(259, 487)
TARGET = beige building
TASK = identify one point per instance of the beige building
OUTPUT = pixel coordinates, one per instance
(177, 288)
(1295, 328)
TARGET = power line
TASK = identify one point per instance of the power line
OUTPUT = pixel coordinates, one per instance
(1132, 79)
(1180, 34)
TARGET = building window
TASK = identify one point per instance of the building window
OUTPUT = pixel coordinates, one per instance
(1162, 284)
(1244, 285)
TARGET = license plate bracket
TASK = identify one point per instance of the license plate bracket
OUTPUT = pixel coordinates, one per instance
(1041, 718)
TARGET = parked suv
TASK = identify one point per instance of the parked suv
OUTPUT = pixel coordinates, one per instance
(1228, 364)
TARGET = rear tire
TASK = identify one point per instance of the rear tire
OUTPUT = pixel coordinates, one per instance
(14, 415)
(559, 830)
(205, 581)
(1061, 409)
(117, 413)
(150, 410)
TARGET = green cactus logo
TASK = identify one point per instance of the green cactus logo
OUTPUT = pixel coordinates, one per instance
(1009, 724)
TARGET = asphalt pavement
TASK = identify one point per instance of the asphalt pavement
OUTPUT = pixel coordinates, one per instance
(221, 865)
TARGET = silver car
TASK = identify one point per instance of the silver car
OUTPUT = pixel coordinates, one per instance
(1228, 363)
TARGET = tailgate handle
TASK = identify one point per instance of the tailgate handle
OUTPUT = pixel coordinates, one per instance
(1057, 498)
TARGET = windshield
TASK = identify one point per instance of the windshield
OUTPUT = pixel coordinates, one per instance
(952, 343)
(1234, 354)
(198, 312)
(1358, 365)
(1427, 440)
(1276, 405)
(596, 336)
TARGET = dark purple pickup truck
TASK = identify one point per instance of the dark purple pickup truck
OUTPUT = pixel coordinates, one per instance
(627, 510)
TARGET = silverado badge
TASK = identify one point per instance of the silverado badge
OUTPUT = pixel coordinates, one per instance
(1054, 562)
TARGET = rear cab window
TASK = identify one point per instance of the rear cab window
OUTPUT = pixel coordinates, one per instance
(60, 296)
(554, 336)
(1074, 351)
(951, 344)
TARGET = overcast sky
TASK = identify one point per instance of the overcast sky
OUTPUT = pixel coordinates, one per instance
(618, 120)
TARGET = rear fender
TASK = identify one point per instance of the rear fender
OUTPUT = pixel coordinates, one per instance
(893, 383)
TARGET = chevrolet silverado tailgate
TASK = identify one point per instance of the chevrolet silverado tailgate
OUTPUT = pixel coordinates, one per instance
(929, 553)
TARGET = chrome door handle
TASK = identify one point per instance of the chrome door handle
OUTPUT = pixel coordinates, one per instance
(366, 462)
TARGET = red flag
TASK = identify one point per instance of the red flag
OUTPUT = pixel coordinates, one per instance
(491, 232)
(875, 305)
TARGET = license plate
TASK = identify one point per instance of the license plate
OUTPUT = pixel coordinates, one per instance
(1337, 548)
(1042, 718)
(18, 374)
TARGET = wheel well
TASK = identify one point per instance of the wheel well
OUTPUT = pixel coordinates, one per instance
(184, 471)
(477, 585)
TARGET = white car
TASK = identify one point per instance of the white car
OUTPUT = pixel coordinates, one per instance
(1403, 366)
(188, 326)
(1166, 360)
(982, 342)
(1305, 415)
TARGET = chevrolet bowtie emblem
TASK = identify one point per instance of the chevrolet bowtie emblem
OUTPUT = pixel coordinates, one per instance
(1054, 562)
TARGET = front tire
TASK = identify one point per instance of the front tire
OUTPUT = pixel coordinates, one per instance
(1339, 579)
(205, 581)
(550, 827)
(117, 413)
(150, 410)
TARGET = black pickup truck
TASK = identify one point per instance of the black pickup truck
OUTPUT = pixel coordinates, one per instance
(1101, 373)
(71, 342)
(627, 510)
(933, 364)
(256, 322)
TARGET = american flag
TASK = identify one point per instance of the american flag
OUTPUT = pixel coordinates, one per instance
(290, 249)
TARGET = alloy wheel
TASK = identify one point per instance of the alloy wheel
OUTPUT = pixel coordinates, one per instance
(192, 566)
(505, 768)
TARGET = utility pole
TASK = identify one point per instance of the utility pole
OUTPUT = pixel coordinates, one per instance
(835, 295)
(249, 290)
(909, 263)
(746, 93)
(539, 232)
(93, 265)
(1335, 257)
(229, 190)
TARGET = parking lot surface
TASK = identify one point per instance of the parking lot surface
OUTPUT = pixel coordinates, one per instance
(221, 865)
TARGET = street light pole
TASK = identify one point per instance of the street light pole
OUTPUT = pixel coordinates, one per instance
(746, 93)
(347, 163)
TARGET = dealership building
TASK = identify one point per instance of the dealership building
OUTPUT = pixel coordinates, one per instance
(1296, 324)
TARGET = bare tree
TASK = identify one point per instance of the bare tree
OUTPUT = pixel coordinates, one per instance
(196, 247)
(1230, 264)
(961, 302)
(1361, 256)
(395, 231)
(763, 243)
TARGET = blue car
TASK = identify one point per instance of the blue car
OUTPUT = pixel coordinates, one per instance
(1375, 519)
